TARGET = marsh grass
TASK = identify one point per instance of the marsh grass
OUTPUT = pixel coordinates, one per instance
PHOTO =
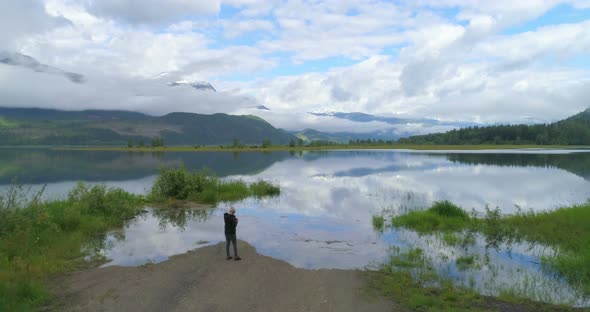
(41, 238)
(263, 188)
(38, 239)
(378, 223)
(442, 216)
(462, 239)
(205, 187)
(409, 278)
(467, 262)
(566, 230)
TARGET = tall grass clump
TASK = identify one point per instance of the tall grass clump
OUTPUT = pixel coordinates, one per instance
(263, 188)
(204, 186)
(378, 223)
(39, 238)
(441, 216)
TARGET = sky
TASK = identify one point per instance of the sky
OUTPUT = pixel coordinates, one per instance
(448, 60)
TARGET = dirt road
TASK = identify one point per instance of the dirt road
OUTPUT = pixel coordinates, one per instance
(202, 280)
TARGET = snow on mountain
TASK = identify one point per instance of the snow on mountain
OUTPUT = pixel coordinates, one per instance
(199, 85)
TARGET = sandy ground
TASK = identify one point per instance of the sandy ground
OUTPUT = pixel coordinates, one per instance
(203, 280)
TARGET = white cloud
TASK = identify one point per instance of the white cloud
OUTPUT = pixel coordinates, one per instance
(236, 28)
(559, 40)
(447, 59)
(151, 12)
(24, 17)
(21, 87)
(316, 30)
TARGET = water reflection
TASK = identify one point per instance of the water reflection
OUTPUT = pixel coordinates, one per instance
(306, 242)
(510, 268)
(323, 217)
(37, 166)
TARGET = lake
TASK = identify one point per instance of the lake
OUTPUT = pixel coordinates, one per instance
(323, 217)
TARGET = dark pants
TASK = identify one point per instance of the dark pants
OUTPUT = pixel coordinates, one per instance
(231, 238)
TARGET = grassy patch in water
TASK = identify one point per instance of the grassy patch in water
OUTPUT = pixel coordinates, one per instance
(204, 186)
(566, 229)
(410, 279)
(442, 216)
(467, 262)
(263, 188)
(378, 223)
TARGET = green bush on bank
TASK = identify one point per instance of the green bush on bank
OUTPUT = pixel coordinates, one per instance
(38, 238)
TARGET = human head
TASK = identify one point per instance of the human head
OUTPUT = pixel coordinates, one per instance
(232, 210)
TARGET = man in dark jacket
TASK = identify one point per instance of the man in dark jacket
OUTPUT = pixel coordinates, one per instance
(231, 222)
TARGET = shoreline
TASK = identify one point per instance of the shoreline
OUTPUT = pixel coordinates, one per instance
(321, 148)
(203, 280)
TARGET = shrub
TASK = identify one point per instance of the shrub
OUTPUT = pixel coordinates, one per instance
(204, 186)
(447, 209)
(378, 223)
(262, 188)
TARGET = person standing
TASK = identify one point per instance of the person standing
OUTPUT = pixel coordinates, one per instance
(231, 222)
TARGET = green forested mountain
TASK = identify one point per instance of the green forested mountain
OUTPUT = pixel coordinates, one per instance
(34, 126)
(574, 130)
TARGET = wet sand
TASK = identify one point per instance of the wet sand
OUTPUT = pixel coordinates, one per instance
(203, 280)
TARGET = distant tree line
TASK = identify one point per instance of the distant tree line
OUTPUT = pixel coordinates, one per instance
(572, 131)
(155, 142)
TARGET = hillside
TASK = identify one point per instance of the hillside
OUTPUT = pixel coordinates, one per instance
(35, 126)
(574, 130)
(311, 135)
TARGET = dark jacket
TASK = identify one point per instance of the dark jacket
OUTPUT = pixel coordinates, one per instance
(230, 223)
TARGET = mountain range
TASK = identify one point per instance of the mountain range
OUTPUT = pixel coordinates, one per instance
(49, 127)
(36, 126)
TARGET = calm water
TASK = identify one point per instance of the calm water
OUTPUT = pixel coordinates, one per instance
(322, 219)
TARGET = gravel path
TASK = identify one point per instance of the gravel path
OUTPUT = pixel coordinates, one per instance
(202, 280)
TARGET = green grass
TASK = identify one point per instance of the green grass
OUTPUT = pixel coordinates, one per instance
(203, 186)
(467, 262)
(566, 229)
(410, 279)
(378, 223)
(38, 239)
(263, 188)
(458, 239)
(41, 238)
(442, 216)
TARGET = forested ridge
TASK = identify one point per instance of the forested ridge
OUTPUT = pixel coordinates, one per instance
(574, 130)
